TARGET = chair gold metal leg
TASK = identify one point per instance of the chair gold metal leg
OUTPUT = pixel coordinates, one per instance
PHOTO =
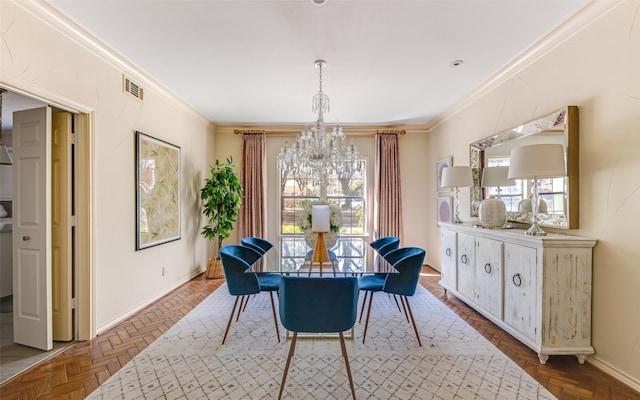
(246, 302)
(366, 293)
(415, 328)
(273, 308)
(402, 300)
(242, 299)
(286, 366)
(346, 363)
(233, 310)
(366, 324)
(398, 305)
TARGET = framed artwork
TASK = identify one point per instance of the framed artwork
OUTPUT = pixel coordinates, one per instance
(440, 165)
(443, 209)
(157, 191)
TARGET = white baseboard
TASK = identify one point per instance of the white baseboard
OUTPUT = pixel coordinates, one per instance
(634, 383)
(115, 322)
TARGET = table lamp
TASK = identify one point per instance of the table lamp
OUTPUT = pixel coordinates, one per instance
(535, 162)
(493, 212)
(456, 177)
(320, 224)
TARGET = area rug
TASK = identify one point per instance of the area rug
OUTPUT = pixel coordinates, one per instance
(189, 361)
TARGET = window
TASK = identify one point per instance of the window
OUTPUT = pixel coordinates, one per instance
(511, 195)
(346, 191)
(552, 190)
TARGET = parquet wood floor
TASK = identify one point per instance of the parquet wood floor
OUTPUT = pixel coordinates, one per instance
(77, 371)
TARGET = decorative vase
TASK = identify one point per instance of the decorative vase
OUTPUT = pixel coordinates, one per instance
(3, 211)
(492, 213)
(330, 238)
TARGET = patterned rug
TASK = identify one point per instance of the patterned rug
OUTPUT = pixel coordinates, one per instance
(189, 362)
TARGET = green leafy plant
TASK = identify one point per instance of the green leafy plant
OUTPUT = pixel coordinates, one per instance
(221, 197)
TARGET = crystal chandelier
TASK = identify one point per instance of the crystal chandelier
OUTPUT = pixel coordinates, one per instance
(319, 152)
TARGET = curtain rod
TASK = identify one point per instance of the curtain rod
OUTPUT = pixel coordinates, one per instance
(292, 132)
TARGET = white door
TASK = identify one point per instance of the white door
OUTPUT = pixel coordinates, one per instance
(61, 226)
(32, 228)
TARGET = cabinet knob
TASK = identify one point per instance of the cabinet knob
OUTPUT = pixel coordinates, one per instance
(448, 252)
(517, 280)
(26, 238)
(464, 259)
(487, 268)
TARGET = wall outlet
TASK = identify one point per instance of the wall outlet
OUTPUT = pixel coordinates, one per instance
(164, 271)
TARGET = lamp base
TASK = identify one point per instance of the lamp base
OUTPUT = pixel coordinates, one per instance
(535, 230)
(320, 252)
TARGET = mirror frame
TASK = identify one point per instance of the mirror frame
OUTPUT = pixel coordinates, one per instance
(567, 116)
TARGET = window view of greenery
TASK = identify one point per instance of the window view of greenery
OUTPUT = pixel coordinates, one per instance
(347, 192)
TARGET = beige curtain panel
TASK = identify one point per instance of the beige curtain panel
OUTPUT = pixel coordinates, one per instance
(252, 216)
(388, 207)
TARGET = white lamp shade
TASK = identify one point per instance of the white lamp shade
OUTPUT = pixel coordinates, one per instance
(537, 161)
(320, 218)
(496, 177)
(456, 177)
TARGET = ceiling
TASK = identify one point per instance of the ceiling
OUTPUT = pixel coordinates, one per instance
(252, 62)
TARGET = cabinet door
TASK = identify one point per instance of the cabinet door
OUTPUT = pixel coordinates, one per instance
(520, 288)
(489, 275)
(448, 257)
(466, 265)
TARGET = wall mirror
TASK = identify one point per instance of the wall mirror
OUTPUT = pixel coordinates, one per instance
(560, 194)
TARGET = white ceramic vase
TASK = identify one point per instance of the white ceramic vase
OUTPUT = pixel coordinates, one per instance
(492, 213)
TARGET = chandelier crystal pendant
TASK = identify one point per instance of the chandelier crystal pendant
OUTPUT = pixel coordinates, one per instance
(319, 152)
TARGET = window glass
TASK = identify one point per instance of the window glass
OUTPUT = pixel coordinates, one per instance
(348, 193)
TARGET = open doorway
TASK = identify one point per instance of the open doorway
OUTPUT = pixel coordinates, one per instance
(15, 358)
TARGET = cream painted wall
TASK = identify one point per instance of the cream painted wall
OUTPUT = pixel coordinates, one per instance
(597, 70)
(413, 167)
(40, 60)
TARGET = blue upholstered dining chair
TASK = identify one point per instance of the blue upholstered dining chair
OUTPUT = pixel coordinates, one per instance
(385, 244)
(408, 261)
(258, 244)
(381, 246)
(318, 305)
(236, 261)
(261, 246)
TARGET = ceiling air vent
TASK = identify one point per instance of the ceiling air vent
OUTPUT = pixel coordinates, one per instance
(133, 89)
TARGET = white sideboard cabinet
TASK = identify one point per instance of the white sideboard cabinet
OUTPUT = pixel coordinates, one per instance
(537, 288)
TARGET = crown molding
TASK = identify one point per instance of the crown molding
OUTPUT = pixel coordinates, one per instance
(584, 17)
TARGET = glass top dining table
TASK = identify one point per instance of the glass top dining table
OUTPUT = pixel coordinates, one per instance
(339, 265)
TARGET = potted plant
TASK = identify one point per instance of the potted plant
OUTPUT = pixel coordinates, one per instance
(221, 197)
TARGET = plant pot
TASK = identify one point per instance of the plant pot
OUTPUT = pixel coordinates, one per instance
(214, 269)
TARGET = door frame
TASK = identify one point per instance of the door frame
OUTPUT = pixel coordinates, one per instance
(84, 199)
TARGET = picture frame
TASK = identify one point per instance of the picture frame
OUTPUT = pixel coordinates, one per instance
(440, 165)
(443, 210)
(158, 200)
